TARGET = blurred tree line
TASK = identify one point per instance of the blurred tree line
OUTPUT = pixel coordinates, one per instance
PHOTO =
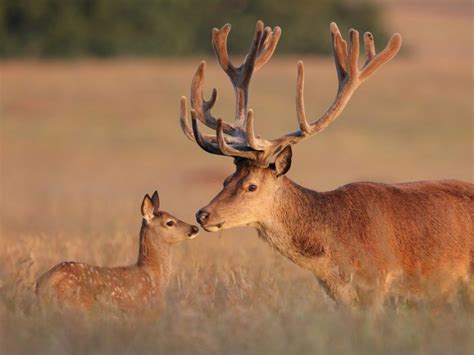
(68, 28)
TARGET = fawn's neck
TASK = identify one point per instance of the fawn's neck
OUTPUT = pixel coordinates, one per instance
(154, 255)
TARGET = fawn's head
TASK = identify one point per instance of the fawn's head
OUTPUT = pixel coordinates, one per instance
(249, 191)
(163, 225)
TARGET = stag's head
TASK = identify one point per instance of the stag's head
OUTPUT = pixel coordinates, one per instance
(249, 194)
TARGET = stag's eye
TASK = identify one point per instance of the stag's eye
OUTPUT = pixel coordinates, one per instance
(252, 187)
(170, 223)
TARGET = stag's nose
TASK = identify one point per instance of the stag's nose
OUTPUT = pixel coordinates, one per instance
(202, 216)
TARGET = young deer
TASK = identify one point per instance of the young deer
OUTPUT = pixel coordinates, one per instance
(133, 287)
(362, 240)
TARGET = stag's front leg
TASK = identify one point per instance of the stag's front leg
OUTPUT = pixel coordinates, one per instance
(346, 293)
(340, 290)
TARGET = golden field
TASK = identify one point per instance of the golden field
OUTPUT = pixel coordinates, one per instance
(82, 142)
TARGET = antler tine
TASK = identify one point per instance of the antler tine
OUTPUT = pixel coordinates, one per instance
(241, 76)
(183, 119)
(369, 47)
(200, 140)
(189, 131)
(250, 133)
(269, 47)
(229, 150)
(392, 48)
(340, 52)
(201, 106)
(197, 97)
(353, 58)
(253, 141)
(267, 33)
(219, 42)
(245, 71)
(300, 112)
(208, 105)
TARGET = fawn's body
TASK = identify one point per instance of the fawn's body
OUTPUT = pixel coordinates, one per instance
(127, 288)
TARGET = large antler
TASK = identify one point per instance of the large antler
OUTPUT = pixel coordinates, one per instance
(238, 139)
(231, 138)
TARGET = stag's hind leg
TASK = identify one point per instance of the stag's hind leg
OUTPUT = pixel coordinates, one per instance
(467, 293)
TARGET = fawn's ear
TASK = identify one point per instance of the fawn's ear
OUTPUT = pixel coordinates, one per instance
(147, 208)
(156, 201)
(283, 161)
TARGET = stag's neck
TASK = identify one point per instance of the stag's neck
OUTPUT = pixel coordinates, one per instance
(154, 256)
(295, 224)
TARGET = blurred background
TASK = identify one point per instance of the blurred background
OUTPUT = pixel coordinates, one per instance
(106, 28)
(89, 105)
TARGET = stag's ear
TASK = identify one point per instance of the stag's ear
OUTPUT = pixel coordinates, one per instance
(156, 201)
(147, 208)
(283, 161)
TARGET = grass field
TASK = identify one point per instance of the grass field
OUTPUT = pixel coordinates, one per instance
(83, 141)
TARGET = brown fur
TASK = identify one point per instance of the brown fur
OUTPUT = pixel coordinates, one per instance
(363, 240)
(138, 287)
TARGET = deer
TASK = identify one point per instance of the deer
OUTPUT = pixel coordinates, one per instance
(365, 242)
(81, 287)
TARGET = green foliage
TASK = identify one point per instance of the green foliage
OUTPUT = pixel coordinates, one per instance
(67, 28)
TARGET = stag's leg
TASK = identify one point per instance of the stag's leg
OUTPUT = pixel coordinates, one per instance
(341, 291)
(374, 292)
(353, 293)
(470, 293)
(337, 284)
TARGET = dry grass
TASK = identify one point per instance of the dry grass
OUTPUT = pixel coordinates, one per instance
(81, 142)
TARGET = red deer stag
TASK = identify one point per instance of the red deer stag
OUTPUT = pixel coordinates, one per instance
(363, 240)
(80, 286)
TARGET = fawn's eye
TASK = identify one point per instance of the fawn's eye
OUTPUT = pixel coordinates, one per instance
(170, 223)
(252, 187)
